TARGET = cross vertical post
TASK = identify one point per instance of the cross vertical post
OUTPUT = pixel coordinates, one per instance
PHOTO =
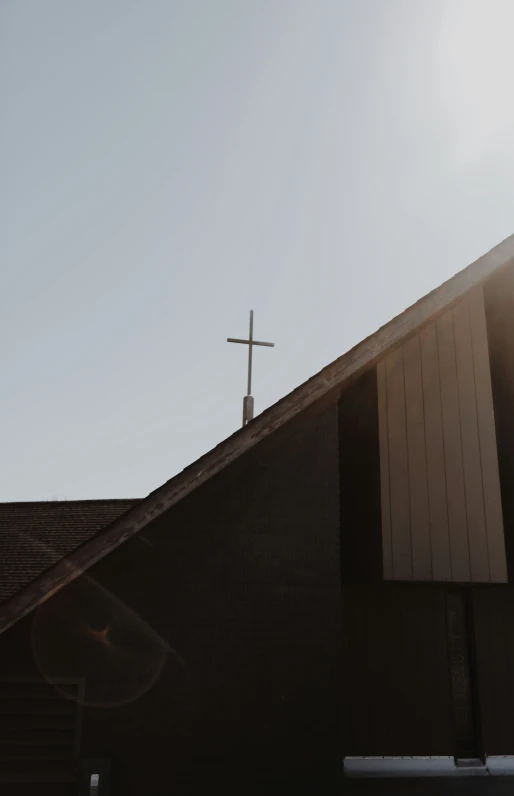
(248, 399)
(250, 352)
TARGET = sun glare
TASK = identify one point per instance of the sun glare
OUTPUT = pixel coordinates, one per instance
(476, 61)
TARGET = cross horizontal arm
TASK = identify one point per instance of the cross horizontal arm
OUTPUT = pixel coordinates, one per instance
(253, 342)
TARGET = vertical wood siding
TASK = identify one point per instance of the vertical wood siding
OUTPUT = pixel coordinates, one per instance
(385, 490)
(441, 504)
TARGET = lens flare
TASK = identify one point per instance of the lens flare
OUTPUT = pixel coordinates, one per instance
(85, 631)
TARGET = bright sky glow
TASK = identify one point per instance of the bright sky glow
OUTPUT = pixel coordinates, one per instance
(169, 165)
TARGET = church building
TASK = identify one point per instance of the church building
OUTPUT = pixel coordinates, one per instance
(322, 603)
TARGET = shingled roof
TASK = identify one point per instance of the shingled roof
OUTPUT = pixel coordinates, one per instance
(349, 365)
(35, 536)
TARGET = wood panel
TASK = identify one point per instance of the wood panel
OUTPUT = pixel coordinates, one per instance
(487, 436)
(418, 480)
(471, 457)
(436, 475)
(398, 467)
(440, 491)
(456, 495)
(387, 550)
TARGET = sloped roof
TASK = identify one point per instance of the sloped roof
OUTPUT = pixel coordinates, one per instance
(355, 361)
(35, 536)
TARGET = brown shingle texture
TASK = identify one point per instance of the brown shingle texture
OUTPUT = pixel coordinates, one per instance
(34, 536)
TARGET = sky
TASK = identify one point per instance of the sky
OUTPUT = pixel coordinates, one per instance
(169, 165)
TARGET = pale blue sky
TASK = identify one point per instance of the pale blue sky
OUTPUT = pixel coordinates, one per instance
(168, 165)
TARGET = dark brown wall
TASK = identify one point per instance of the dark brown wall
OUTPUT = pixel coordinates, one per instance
(359, 481)
(494, 631)
(396, 667)
(242, 584)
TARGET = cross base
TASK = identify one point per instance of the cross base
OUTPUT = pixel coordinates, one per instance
(247, 409)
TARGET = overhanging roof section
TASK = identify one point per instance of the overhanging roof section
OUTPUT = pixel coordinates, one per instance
(362, 356)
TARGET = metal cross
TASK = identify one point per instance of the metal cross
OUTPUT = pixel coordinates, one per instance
(248, 400)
